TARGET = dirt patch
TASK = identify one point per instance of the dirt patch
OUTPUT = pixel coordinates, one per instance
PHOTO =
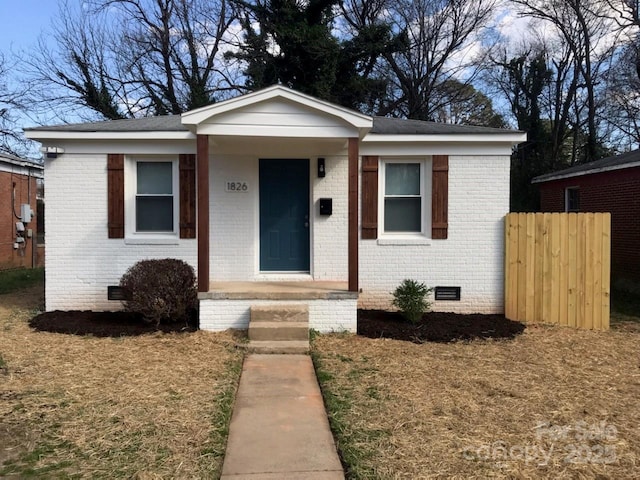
(440, 327)
(12, 443)
(630, 326)
(103, 324)
(30, 298)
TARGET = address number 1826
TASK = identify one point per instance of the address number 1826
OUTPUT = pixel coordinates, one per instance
(237, 187)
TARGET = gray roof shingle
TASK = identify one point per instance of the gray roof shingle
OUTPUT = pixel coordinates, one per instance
(172, 123)
(161, 123)
(401, 126)
(623, 160)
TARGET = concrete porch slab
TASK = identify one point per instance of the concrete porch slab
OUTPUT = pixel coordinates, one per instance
(278, 291)
(325, 314)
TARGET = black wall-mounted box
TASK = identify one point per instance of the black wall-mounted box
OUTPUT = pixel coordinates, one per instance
(326, 206)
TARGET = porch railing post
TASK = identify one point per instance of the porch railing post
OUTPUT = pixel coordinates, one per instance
(202, 172)
(353, 214)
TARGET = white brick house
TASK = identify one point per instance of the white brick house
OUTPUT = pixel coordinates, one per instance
(332, 207)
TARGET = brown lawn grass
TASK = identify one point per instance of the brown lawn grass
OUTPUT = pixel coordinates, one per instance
(469, 410)
(155, 406)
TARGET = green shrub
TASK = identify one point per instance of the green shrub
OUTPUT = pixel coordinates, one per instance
(411, 299)
(162, 291)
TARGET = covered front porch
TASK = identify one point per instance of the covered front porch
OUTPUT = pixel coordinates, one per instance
(254, 142)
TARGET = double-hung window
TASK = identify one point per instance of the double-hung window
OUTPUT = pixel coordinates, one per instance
(154, 197)
(153, 193)
(403, 197)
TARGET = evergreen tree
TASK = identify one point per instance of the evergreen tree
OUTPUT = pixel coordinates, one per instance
(526, 78)
(291, 43)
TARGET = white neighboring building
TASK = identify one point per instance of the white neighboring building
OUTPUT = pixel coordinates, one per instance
(334, 206)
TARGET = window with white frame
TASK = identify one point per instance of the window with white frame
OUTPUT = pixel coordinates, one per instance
(403, 208)
(153, 205)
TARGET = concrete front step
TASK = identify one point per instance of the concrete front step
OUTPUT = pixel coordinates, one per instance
(280, 313)
(279, 328)
(295, 347)
(279, 331)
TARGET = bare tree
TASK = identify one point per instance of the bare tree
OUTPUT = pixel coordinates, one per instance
(622, 98)
(540, 81)
(471, 106)
(583, 28)
(80, 73)
(127, 58)
(172, 49)
(359, 14)
(439, 39)
(624, 12)
(11, 139)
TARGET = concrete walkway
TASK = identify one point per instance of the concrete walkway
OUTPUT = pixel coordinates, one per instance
(279, 428)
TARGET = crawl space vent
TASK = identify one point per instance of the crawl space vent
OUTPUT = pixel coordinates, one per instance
(116, 293)
(447, 293)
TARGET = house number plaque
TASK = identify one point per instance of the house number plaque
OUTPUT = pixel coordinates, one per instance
(234, 186)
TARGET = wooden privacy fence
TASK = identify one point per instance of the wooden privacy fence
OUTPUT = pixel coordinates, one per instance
(557, 268)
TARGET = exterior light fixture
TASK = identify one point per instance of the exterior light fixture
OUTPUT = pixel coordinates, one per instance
(52, 152)
(321, 168)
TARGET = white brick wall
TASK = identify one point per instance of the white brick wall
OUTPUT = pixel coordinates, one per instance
(324, 315)
(472, 256)
(330, 233)
(235, 220)
(81, 261)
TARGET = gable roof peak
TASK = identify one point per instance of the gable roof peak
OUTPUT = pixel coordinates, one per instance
(274, 92)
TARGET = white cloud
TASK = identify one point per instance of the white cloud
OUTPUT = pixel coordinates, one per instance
(516, 30)
(512, 27)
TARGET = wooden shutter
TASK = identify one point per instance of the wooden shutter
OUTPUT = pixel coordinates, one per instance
(369, 197)
(440, 197)
(115, 195)
(187, 196)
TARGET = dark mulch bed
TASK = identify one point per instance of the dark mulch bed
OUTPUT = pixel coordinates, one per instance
(102, 324)
(441, 327)
(434, 327)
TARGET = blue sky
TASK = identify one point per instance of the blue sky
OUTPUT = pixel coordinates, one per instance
(23, 21)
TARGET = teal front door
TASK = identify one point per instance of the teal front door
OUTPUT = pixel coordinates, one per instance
(284, 215)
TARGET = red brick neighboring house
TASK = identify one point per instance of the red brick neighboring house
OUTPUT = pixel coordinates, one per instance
(21, 182)
(608, 185)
